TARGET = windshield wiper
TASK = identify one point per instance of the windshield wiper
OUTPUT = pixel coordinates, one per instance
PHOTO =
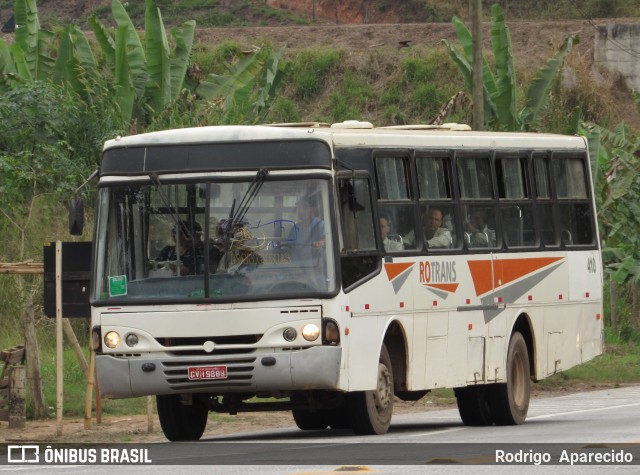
(236, 216)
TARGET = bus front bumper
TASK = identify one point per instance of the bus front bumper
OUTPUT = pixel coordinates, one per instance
(317, 367)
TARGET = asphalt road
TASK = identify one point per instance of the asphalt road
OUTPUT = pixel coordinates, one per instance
(563, 429)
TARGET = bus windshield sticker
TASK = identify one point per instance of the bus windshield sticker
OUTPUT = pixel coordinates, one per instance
(117, 285)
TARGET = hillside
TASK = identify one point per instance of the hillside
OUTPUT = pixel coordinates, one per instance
(533, 44)
(533, 41)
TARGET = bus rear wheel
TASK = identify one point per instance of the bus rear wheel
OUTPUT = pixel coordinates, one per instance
(510, 401)
(370, 411)
(181, 422)
(473, 405)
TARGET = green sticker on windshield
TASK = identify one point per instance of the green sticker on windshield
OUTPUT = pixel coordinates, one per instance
(117, 285)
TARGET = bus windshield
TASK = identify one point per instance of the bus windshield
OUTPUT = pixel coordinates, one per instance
(252, 238)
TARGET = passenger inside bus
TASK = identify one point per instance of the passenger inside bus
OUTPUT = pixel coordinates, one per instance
(436, 236)
(188, 258)
(309, 230)
(390, 244)
(477, 233)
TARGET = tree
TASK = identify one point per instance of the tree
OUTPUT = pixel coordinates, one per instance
(500, 100)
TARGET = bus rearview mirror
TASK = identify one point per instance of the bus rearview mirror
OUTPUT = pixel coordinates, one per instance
(76, 217)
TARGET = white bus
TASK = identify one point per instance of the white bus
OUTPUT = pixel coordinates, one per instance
(328, 269)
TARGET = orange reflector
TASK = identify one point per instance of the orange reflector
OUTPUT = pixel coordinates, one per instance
(471, 326)
(597, 316)
(346, 331)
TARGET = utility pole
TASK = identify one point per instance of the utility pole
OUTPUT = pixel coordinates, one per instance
(478, 84)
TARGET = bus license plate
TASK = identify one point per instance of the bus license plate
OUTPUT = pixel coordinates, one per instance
(207, 372)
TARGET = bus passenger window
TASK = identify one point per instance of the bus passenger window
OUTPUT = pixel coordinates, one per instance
(479, 227)
(577, 224)
(433, 178)
(436, 227)
(518, 225)
(474, 176)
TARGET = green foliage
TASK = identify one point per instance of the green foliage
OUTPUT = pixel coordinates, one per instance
(285, 110)
(148, 76)
(37, 123)
(244, 102)
(500, 98)
(351, 98)
(617, 186)
(214, 58)
(311, 69)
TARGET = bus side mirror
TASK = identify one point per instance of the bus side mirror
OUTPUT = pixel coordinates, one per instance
(76, 217)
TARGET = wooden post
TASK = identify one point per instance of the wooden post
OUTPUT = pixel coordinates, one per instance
(75, 346)
(98, 400)
(149, 414)
(89, 390)
(17, 406)
(59, 354)
(32, 352)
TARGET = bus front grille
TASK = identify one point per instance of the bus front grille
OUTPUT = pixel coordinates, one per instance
(239, 373)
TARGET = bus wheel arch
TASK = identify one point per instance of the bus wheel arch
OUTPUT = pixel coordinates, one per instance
(509, 401)
(395, 341)
(370, 412)
(524, 327)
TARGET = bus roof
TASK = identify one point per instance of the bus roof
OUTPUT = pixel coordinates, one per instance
(353, 133)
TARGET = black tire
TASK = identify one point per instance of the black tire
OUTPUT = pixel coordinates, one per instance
(473, 406)
(180, 422)
(370, 411)
(307, 420)
(510, 401)
(337, 418)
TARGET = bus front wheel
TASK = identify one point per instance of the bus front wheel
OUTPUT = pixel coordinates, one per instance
(370, 412)
(510, 401)
(181, 422)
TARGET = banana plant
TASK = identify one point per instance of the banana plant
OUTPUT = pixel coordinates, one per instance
(148, 76)
(617, 185)
(27, 59)
(243, 100)
(500, 101)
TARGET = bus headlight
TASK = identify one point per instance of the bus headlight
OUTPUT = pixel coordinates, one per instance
(311, 332)
(290, 334)
(131, 339)
(112, 339)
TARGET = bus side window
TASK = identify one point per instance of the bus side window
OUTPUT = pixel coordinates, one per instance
(357, 237)
(574, 207)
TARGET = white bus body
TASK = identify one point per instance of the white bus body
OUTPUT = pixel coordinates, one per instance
(334, 325)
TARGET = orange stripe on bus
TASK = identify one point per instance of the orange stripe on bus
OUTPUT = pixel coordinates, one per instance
(395, 269)
(505, 271)
(445, 287)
